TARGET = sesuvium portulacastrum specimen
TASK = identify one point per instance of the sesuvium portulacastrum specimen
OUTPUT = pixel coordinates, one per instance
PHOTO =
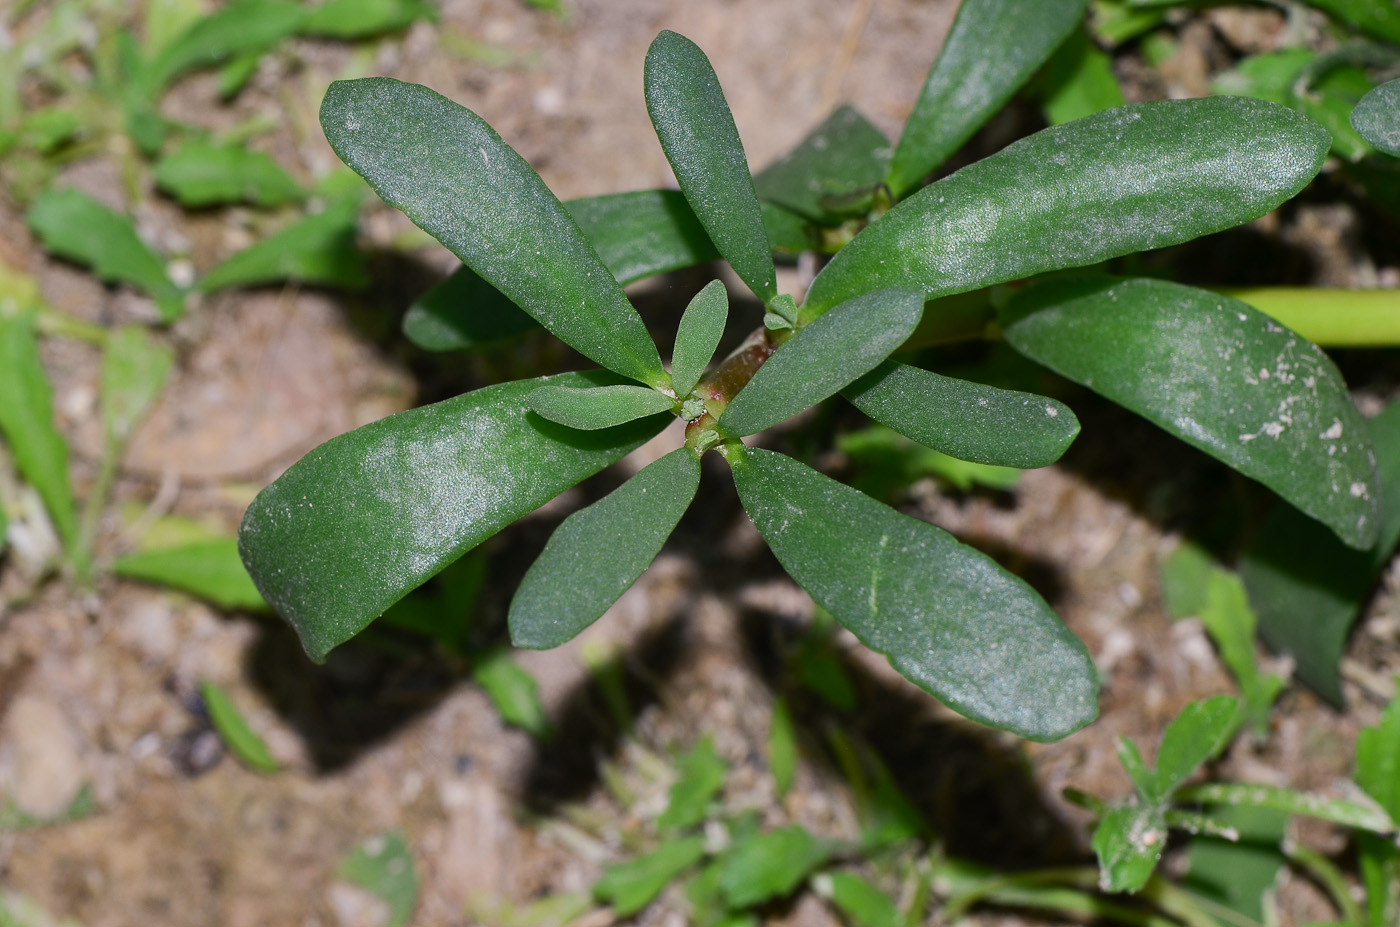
(372, 514)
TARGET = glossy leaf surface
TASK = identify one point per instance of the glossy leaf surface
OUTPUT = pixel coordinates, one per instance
(370, 515)
(453, 175)
(970, 421)
(201, 174)
(1128, 179)
(1219, 375)
(822, 358)
(1377, 117)
(842, 158)
(697, 132)
(699, 333)
(598, 552)
(599, 407)
(27, 424)
(318, 249)
(241, 739)
(982, 63)
(636, 234)
(947, 616)
(209, 570)
(77, 227)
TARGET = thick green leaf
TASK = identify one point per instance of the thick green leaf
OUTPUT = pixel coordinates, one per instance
(782, 748)
(863, 904)
(241, 739)
(209, 570)
(1378, 760)
(241, 27)
(1231, 624)
(982, 63)
(636, 235)
(134, 368)
(701, 327)
(514, 692)
(822, 358)
(1128, 842)
(1341, 811)
(26, 423)
(970, 421)
(1377, 117)
(1128, 179)
(763, 866)
(453, 175)
(1198, 733)
(700, 777)
(1219, 375)
(598, 407)
(77, 227)
(598, 552)
(366, 517)
(697, 132)
(317, 249)
(834, 170)
(201, 174)
(1380, 18)
(360, 19)
(631, 886)
(947, 616)
(383, 866)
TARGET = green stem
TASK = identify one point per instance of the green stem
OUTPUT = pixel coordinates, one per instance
(55, 324)
(1066, 890)
(1329, 877)
(1330, 318)
(1190, 908)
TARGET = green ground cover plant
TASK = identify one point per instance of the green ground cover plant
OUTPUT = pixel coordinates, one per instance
(369, 516)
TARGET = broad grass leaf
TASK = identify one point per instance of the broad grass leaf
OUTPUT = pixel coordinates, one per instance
(631, 886)
(1197, 734)
(27, 424)
(366, 517)
(383, 866)
(241, 739)
(701, 327)
(966, 420)
(209, 570)
(201, 174)
(598, 552)
(1377, 117)
(134, 370)
(1219, 375)
(598, 407)
(317, 249)
(241, 27)
(1129, 842)
(834, 170)
(514, 692)
(453, 175)
(1239, 873)
(947, 616)
(700, 777)
(698, 135)
(77, 227)
(362, 19)
(763, 866)
(822, 358)
(1124, 180)
(981, 65)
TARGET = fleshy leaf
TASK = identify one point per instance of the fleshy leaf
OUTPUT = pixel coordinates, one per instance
(763, 866)
(947, 616)
(201, 174)
(598, 552)
(1127, 179)
(843, 158)
(1198, 733)
(631, 886)
(318, 249)
(26, 423)
(599, 406)
(241, 739)
(697, 132)
(823, 357)
(1129, 842)
(366, 517)
(77, 227)
(970, 421)
(636, 234)
(209, 570)
(1377, 117)
(359, 19)
(700, 777)
(701, 327)
(453, 175)
(1219, 375)
(981, 65)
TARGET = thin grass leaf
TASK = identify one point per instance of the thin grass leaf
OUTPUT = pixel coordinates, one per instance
(599, 407)
(1378, 760)
(1377, 117)
(834, 171)
(453, 175)
(240, 738)
(200, 174)
(514, 692)
(1129, 179)
(366, 517)
(1219, 375)
(981, 65)
(697, 132)
(948, 617)
(209, 570)
(822, 358)
(598, 552)
(241, 27)
(699, 333)
(862, 903)
(316, 249)
(1231, 623)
